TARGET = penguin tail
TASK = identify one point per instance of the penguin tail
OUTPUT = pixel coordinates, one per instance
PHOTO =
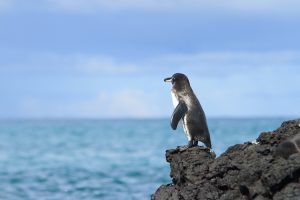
(208, 142)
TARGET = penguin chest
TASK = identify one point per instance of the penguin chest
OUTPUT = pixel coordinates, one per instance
(174, 99)
(184, 119)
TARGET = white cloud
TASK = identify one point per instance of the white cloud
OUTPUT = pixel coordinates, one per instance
(214, 63)
(94, 5)
(234, 57)
(207, 63)
(263, 91)
(123, 103)
(227, 83)
(104, 64)
(252, 7)
(5, 5)
(224, 63)
(74, 63)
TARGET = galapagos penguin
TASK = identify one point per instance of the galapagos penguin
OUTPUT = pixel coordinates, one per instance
(188, 109)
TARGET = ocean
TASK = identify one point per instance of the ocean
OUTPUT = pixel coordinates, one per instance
(100, 159)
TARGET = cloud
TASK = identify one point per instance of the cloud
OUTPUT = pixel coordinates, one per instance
(274, 7)
(104, 64)
(227, 83)
(224, 63)
(123, 103)
(118, 104)
(250, 7)
(262, 91)
(94, 5)
(40, 63)
(231, 57)
(207, 63)
(5, 5)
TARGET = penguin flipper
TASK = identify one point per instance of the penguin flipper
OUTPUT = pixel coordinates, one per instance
(178, 113)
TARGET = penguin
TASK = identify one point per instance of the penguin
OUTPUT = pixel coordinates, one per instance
(188, 109)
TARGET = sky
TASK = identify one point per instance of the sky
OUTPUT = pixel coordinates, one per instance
(108, 59)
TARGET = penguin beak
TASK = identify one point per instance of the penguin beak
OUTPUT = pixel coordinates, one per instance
(169, 79)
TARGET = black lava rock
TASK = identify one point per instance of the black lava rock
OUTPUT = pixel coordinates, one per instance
(245, 171)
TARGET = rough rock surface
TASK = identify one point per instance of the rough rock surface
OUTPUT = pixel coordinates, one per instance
(245, 171)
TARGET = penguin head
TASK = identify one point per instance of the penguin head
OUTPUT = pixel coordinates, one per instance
(179, 81)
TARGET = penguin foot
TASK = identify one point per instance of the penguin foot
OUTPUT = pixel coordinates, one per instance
(190, 144)
(183, 148)
(195, 143)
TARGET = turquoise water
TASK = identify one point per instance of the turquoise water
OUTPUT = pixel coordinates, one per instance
(100, 159)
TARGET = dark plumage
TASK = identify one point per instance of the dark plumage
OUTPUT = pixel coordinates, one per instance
(188, 108)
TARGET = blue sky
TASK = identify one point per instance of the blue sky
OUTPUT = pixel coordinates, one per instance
(107, 59)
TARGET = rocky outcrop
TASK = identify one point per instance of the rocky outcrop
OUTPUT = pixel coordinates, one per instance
(245, 171)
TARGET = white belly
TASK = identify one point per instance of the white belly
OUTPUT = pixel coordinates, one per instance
(175, 103)
(186, 130)
(174, 99)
